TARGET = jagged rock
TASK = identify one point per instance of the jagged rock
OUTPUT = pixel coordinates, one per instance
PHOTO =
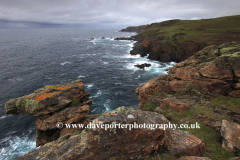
(117, 143)
(193, 158)
(142, 66)
(175, 104)
(215, 69)
(66, 103)
(159, 110)
(182, 143)
(230, 133)
(210, 122)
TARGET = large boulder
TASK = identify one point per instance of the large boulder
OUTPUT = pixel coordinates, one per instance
(123, 142)
(214, 69)
(65, 103)
(231, 136)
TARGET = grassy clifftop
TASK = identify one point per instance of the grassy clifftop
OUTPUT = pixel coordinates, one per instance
(176, 40)
(134, 28)
(208, 30)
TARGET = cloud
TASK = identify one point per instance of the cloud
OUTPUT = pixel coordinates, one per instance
(113, 12)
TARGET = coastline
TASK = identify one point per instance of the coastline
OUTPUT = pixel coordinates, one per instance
(153, 100)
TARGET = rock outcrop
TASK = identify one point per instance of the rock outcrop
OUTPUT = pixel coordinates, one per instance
(215, 69)
(121, 142)
(66, 103)
(231, 136)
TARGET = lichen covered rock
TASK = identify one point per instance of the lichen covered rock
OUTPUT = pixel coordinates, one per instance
(65, 103)
(120, 142)
(231, 136)
(214, 69)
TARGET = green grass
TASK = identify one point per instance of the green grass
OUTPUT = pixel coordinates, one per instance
(73, 103)
(203, 30)
(229, 103)
(211, 138)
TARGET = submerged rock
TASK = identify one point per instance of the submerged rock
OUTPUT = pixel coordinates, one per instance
(120, 142)
(142, 66)
(65, 103)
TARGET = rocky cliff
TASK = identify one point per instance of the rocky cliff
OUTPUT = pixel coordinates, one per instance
(176, 40)
(203, 88)
(121, 142)
(214, 69)
(66, 103)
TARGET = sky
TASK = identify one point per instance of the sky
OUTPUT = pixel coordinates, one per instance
(109, 13)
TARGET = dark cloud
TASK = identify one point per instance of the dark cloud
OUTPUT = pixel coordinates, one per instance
(113, 12)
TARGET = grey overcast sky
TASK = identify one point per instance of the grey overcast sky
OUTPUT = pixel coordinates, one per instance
(111, 13)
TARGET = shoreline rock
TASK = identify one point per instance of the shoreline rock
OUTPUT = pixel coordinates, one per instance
(117, 143)
(66, 103)
(214, 69)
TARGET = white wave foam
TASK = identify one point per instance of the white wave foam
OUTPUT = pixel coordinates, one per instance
(99, 93)
(105, 62)
(107, 105)
(119, 83)
(80, 76)
(139, 76)
(89, 85)
(132, 56)
(3, 117)
(64, 63)
(16, 147)
(15, 79)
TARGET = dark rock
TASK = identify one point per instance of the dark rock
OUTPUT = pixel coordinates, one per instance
(142, 66)
(124, 38)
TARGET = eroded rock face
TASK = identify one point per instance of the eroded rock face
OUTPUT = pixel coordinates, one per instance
(165, 52)
(214, 69)
(66, 103)
(117, 143)
(231, 135)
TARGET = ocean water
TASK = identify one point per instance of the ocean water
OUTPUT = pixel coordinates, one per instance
(33, 58)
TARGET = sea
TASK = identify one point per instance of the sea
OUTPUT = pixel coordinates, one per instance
(33, 58)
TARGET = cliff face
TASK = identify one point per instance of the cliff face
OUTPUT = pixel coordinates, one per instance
(66, 103)
(203, 88)
(214, 69)
(176, 40)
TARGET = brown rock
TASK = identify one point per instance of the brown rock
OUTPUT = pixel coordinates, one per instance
(186, 73)
(210, 122)
(119, 143)
(214, 69)
(174, 104)
(66, 103)
(159, 110)
(193, 158)
(231, 135)
(182, 143)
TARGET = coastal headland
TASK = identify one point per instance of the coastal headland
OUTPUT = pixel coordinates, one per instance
(202, 89)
